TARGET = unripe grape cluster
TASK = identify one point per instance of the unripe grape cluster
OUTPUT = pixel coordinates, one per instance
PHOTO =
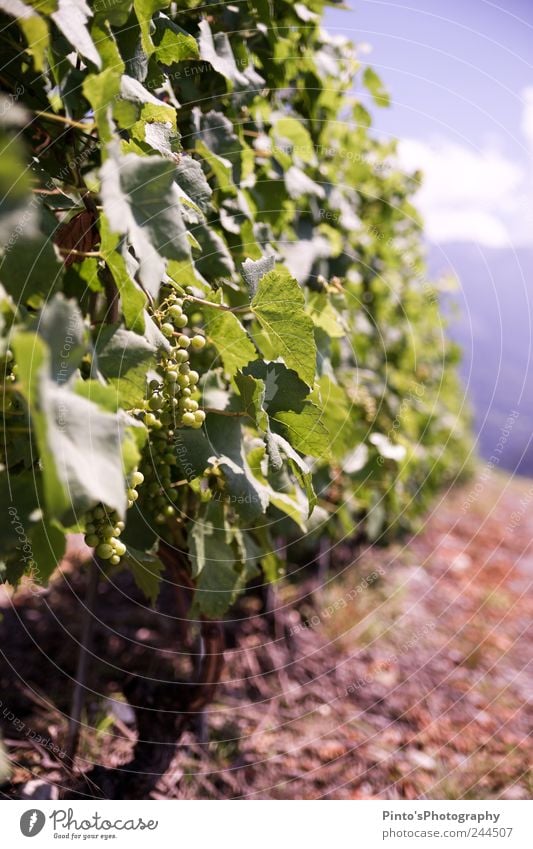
(170, 401)
(12, 407)
(170, 404)
(103, 526)
(8, 370)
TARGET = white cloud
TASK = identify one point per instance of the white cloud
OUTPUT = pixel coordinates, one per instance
(474, 195)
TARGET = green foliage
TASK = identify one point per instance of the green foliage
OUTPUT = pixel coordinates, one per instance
(214, 324)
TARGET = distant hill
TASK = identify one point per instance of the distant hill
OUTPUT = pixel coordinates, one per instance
(492, 319)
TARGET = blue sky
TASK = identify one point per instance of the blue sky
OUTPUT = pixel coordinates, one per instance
(461, 79)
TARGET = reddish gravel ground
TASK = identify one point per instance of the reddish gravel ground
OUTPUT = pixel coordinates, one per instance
(407, 676)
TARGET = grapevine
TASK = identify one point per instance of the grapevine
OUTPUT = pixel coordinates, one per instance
(216, 332)
(159, 238)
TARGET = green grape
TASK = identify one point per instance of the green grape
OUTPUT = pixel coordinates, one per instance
(120, 548)
(92, 540)
(114, 559)
(198, 342)
(175, 312)
(188, 419)
(155, 402)
(104, 550)
(183, 341)
(167, 330)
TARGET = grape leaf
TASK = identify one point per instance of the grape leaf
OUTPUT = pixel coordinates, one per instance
(36, 33)
(345, 426)
(325, 315)
(253, 270)
(221, 446)
(101, 90)
(286, 330)
(376, 88)
(30, 268)
(216, 49)
(252, 392)
(147, 570)
(229, 337)
(216, 260)
(62, 327)
(144, 10)
(291, 130)
(49, 546)
(305, 430)
(71, 18)
(299, 467)
(141, 201)
(20, 497)
(214, 561)
(284, 390)
(173, 44)
(79, 444)
(190, 177)
(132, 299)
(124, 358)
(117, 12)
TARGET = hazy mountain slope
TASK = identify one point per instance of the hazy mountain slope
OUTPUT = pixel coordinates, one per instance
(494, 325)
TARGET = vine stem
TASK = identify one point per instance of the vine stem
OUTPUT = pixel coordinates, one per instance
(82, 254)
(80, 681)
(237, 413)
(49, 116)
(88, 614)
(222, 307)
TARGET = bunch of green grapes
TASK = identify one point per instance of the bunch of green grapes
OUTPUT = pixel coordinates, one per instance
(12, 411)
(172, 396)
(103, 527)
(170, 404)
